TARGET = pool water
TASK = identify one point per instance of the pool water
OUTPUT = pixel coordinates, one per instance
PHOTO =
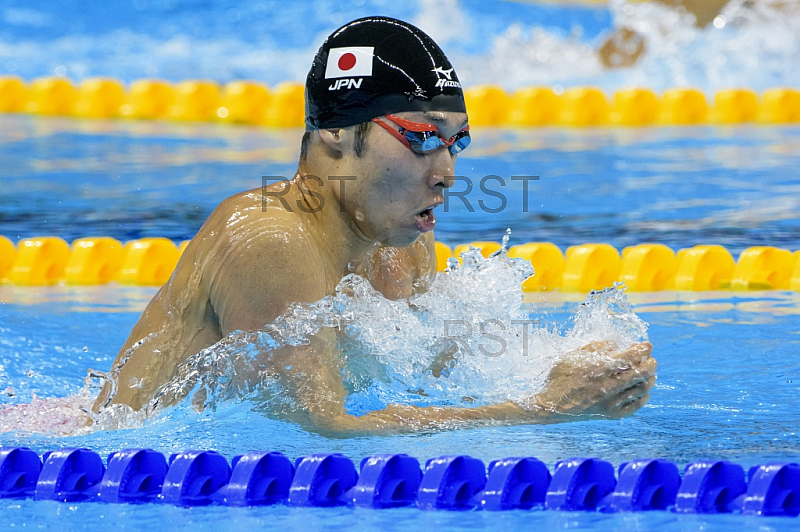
(728, 373)
(735, 186)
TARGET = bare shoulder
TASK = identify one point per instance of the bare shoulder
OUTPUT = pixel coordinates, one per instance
(259, 261)
(245, 222)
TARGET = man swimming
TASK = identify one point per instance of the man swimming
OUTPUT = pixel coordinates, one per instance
(386, 119)
(625, 46)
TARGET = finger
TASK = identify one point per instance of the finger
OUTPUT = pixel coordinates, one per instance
(636, 356)
(635, 353)
(609, 350)
(645, 366)
(624, 381)
(645, 384)
(628, 408)
(633, 406)
(598, 346)
(617, 399)
(634, 392)
(650, 365)
(644, 347)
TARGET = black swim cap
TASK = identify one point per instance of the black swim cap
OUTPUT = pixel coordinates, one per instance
(375, 66)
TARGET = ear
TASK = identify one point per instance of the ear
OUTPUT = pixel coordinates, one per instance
(334, 139)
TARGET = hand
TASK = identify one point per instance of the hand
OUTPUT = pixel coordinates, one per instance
(597, 380)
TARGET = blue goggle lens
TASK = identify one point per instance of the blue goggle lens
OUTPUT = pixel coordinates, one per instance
(461, 143)
(424, 142)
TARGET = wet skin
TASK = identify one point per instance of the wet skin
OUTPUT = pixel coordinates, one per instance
(255, 255)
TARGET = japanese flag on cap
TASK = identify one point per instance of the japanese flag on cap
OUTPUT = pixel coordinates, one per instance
(348, 62)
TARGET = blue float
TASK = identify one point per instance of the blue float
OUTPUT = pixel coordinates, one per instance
(19, 471)
(645, 484)
(580, 484)
(387, 481)
(774, 489)
(194, 477)
(133, 475)
(710, 487)
(457, 482)
(451, 483)
(322, 480)
(69, 475)
(258, 478)
(515, 483)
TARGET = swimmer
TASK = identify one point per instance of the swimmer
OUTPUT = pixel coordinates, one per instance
(385, 120)
(625, 46)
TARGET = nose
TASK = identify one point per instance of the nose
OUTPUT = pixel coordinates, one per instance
(442, 168)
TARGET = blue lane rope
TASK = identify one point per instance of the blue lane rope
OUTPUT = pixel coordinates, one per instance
(452, 482)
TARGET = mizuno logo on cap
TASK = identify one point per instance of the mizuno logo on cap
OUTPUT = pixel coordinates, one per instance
(349, 62)
(446, 73)
(441, 82)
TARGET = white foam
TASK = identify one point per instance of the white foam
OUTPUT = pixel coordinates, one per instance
(751, 44)
(471, 325)
(58, 416)
(468, 340)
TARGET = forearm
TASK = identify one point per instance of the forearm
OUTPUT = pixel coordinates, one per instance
(404, 419)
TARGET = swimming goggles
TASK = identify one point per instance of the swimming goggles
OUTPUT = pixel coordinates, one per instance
(424, 138)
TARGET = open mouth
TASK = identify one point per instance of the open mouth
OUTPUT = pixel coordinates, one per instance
(426, 220)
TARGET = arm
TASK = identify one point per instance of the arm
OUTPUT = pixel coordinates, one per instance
(312, 374)
(178, 322)
(595, 382)
(577, 389)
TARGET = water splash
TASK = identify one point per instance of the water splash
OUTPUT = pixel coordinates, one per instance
(467, 340)
(750, 44)
(57, 416)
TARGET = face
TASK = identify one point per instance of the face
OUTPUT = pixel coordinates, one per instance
(397, 191)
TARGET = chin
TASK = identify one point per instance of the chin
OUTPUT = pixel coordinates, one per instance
(398, 237)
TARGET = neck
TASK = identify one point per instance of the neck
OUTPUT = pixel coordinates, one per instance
(334, 228)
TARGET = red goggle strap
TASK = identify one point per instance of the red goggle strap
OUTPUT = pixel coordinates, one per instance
(418, 127)
(394, 132)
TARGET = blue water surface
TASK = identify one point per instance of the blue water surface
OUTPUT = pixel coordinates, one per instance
(727, 389)
(728, 374)
(735, 186)
(728, 364)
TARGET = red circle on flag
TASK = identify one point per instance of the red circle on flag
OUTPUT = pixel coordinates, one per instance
(347, 61)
